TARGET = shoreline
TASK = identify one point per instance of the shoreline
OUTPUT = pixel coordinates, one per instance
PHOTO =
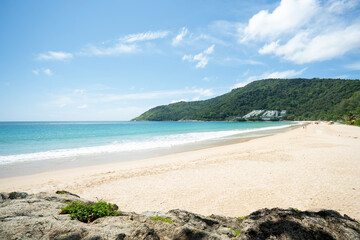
(306, 168)
(23, 168)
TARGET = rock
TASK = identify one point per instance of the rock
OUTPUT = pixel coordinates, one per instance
(289, 224)
(17, 195)
(66, 192)
(3, 197)
(36, 216)
(70, 236)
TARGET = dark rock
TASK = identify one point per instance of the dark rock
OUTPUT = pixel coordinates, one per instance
(70, 236)
(289, 224)
(146, 233)
(68, 193)
(94, 238)
(188, 233)
(3, 197)
(37, 217)
(120, 236)
(17, 195)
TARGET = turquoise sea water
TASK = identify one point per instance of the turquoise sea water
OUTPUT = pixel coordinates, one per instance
(33, 141)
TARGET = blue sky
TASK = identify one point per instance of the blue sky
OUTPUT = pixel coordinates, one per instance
(113, 60)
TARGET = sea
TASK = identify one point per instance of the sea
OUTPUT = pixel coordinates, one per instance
(25, 142)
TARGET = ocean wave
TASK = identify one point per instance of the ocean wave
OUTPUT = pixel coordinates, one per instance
(153, 143)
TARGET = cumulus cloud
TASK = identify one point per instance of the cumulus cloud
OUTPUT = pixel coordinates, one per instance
(287, 17)
(341, 6)
(303, 48)
(144, 36)
(267, 75)
(304, 31)
(50, 55)
(176, 40)
(269, 48)
(202, 58)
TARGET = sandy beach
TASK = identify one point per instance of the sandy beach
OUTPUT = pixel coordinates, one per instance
(306, 168)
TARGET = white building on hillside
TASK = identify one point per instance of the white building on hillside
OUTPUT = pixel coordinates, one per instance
(269, 115)
(253, 114)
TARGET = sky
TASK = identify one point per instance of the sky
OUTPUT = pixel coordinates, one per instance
(90, 60)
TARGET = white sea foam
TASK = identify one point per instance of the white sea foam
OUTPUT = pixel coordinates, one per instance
(153, 143)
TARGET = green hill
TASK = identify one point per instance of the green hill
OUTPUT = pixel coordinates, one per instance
(304, 99)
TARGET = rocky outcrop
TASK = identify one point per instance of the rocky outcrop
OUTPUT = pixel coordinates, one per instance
(36, 216)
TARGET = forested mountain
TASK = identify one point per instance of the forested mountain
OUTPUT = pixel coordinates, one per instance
(304, 99)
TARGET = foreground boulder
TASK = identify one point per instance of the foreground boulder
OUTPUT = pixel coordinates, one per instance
(36, 216)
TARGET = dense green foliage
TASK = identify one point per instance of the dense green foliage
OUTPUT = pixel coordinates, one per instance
(89, 212)
(349, 109)
(304, 99)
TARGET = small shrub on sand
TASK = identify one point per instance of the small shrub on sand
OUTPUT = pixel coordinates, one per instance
(89, 212)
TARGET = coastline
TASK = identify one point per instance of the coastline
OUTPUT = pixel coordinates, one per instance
(306, 168)
(53, 163)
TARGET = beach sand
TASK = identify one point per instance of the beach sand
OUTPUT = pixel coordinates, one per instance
(305, 168)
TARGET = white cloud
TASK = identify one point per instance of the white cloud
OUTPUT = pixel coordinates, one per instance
(340, 6)
(154, 95)
(225, 28)
(176, 40)
(50, 55)
(242, 61)
(85, 97)
(286, 18)
(79, 92)
(82, 106)
(304, 31)
(202, 58)
(196, 99)
(267, 75)
(303, 48)
(144, 36)
(269, 48)
(180, 100)
(62, 101)
(354, 66)
(116, 49)
(48, 72)
(124, 45)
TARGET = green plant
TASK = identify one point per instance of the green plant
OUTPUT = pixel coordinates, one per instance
(157, 218)
(241, 218)
(296, 210)
(236, 231)
(89, 212)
